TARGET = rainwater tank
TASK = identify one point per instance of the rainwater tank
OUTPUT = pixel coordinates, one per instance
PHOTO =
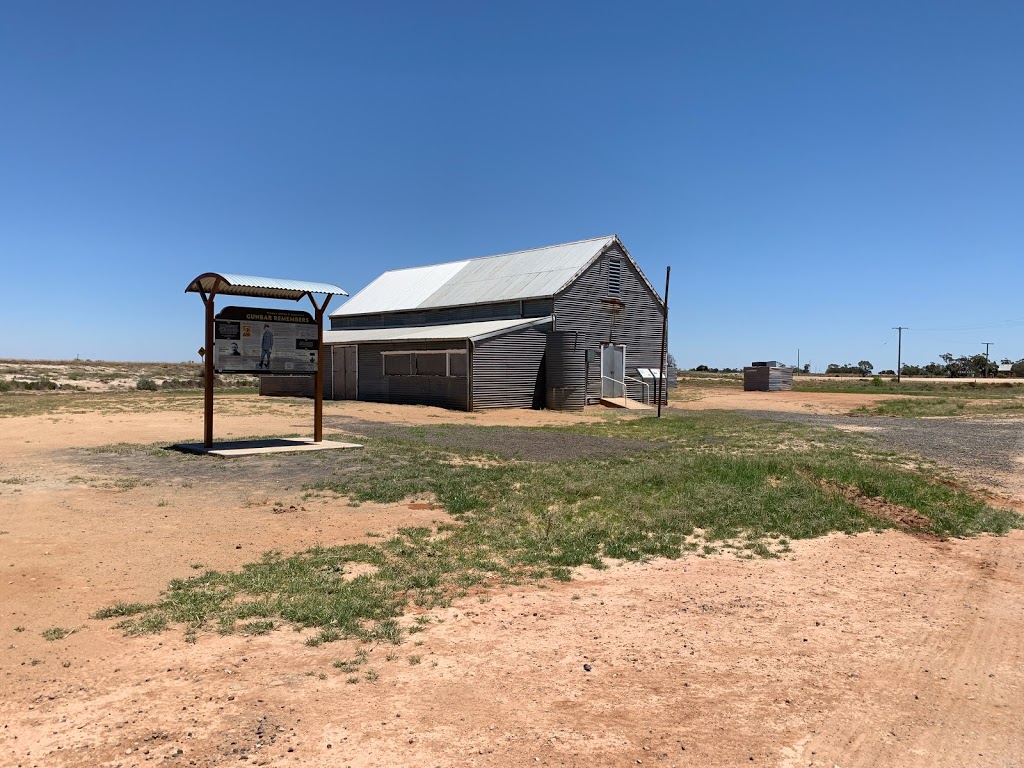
(565, 371)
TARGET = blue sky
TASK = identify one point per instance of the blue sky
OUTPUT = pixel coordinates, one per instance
(815, 173)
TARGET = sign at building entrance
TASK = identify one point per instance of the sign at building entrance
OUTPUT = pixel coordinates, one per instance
(253, 340)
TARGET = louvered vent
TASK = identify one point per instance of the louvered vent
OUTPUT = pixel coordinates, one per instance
(614, 276)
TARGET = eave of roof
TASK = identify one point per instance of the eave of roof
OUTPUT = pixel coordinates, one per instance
(476, 331)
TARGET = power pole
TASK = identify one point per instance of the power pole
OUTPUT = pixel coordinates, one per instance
(987, 345)
(798, 358)
(662, 384)
(899, 352)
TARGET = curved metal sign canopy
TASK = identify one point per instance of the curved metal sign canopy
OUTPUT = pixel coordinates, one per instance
(210, 284)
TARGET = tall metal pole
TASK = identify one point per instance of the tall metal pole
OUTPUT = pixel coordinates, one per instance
(208, 377)
(318, 377)
(208, 367)
(987, 345)
(899, 352)
(664, 343)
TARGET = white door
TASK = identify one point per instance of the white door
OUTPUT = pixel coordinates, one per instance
(613, 370)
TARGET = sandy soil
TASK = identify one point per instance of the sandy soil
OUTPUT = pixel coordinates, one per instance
(708, 398)
(855, 651)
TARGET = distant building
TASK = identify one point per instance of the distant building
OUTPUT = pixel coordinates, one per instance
(767, 376)
(1005, 369)
(555, 327)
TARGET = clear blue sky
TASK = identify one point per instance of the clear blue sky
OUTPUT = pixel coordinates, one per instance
(814, 172)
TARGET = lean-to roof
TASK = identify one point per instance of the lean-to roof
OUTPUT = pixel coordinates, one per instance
(476, 331)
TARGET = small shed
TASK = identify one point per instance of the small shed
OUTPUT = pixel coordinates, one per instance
(767, 376)
(1005, 369)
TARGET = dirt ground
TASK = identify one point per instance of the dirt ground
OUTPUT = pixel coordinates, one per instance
(704, 398)
(879, 649)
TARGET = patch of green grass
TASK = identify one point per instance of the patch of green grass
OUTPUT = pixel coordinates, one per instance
(148, 624)
(694, 482)
(909, 387)
(122, 609)
(57, 633)
(915, 407)
(911, 407)
(258, 627)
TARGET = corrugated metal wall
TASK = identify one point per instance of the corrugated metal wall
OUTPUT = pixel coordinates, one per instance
(636, 322)
(502, 311)
(442, 391)
(508, 370)
(288, 386)
(763, 378)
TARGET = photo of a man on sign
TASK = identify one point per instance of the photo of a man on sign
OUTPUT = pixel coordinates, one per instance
(266, 347)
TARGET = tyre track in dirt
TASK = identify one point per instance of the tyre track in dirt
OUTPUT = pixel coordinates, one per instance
(953, 700)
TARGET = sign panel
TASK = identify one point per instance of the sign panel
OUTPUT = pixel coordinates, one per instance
(254, 340)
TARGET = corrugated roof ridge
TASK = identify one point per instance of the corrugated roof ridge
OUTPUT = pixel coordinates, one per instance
(499, 255)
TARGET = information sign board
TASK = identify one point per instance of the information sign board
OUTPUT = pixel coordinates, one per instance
(254, 340)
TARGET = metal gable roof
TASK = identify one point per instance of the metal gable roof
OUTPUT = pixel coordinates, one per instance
(452, 332)
(535, 273)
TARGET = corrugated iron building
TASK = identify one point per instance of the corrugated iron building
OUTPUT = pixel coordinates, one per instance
(556, 327)
(767, 376)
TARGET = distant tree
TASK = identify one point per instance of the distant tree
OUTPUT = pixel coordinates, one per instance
(954, 367)
(977, 365)
(702, 368)
(887, 372)
(863, 368)
(1017, 369)
(807, 367)
(671, 360)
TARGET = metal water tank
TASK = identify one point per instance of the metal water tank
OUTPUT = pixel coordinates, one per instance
(565, 372)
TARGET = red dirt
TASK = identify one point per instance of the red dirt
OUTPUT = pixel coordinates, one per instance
(882, 649)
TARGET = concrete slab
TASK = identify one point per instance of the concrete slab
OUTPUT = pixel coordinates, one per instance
(622, 402)
(254, 447)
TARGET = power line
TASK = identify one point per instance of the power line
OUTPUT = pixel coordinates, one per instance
(987, 326)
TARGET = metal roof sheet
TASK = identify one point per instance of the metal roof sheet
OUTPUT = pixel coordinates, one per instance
(535, 273)
(260, 287)
(453, 332)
